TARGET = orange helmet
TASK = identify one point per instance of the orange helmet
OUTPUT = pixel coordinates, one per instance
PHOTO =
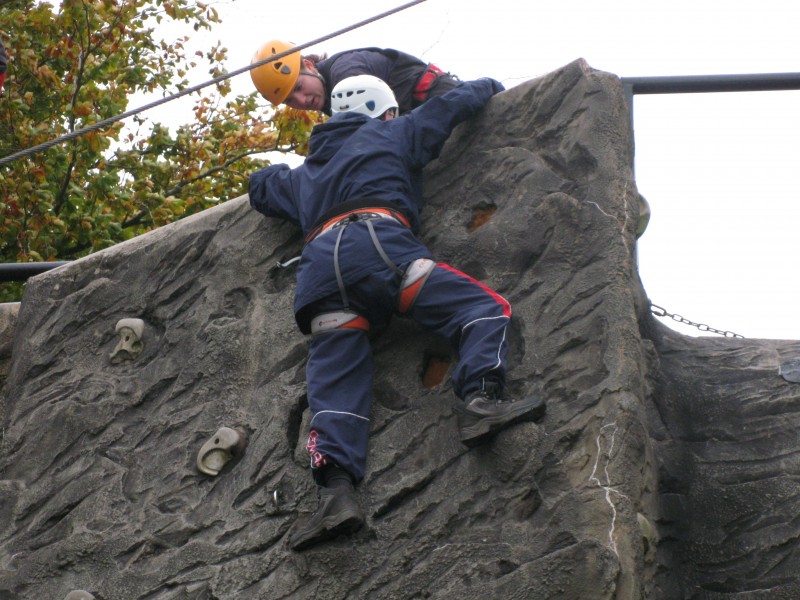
(275, 80)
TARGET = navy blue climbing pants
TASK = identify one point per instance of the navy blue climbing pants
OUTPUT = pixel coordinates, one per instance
(339, 372)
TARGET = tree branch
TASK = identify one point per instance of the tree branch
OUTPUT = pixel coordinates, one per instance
(178, 187)
(61, 196)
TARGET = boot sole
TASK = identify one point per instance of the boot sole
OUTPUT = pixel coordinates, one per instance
(345, 523)
(486, 428)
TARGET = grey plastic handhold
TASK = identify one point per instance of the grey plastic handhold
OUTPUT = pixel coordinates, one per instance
(790, 371)
(649, 535)
(219, 450)
(79, 595)
(130, 332)
(644, 216)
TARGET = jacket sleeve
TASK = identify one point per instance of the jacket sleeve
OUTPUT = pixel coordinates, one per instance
(271, 194)
(3, 63)
(3, 57)
(431, 124)
(359, 62)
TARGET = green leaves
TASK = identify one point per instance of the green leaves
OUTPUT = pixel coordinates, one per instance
(78, 64)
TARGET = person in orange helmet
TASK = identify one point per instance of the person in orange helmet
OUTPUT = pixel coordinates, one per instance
(306, 82)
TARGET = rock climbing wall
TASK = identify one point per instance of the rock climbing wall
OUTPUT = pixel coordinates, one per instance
(724, 422)
(155, 410)
(8, 324)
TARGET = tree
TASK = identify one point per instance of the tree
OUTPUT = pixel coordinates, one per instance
(79, 64)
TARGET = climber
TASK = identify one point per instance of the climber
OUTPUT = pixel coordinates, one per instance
(3, 65)
(357, 199)
(305, 82)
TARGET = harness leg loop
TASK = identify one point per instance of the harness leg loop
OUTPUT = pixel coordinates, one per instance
(414, 278)
(342, 319)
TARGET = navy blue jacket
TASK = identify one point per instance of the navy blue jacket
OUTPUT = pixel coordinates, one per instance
(399, 70)
(354, 157)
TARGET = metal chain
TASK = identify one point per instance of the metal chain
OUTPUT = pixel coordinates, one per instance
(662, 312)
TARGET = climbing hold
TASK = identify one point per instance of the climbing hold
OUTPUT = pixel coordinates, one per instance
(644, 216)
(790, 371)
(219, 449)
(649, 535)
(79, 595)
(130, 333)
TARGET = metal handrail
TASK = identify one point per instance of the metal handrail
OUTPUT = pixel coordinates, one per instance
(22, 271)
(693, 84)
(687, 84)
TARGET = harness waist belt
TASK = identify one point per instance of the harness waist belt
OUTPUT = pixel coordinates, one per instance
(360, 214)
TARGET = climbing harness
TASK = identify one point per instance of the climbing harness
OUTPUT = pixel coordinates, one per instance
(358, 214)
(355, 217)
(341, 221)
(413, 278)
(662, 312)
(346, 318)
(426, 81)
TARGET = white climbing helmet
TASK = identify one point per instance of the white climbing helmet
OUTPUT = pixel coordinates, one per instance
(365, 94)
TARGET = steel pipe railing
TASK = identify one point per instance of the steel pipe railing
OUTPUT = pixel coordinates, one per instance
(688, 84)
(693, 84)
(22, 271)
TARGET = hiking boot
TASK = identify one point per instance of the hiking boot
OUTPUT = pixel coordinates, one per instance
(485, 412)
(337, 514)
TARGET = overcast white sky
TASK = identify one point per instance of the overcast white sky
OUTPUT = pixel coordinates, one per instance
(719, 170)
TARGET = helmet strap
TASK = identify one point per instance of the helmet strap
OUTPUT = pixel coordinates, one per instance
(313, 74)
(305, 70)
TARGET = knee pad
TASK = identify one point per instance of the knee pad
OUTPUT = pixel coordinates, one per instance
(342, 319)
(414, 278)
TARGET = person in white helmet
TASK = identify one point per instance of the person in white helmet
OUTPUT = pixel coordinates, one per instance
(357, 199)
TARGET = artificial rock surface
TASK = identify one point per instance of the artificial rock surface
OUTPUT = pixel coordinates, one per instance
(666, 467)
(8, 325)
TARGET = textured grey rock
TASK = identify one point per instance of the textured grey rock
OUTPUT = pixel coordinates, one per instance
(724, 426)
(8, 324)
(615, 494)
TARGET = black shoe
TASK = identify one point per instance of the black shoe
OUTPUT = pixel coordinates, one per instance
(485, 412)
(338, 513)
